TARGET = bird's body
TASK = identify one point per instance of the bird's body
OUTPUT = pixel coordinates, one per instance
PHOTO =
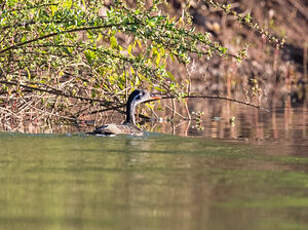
(116, 129)
(129, 126)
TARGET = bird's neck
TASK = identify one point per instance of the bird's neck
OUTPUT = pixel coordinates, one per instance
(130, 114)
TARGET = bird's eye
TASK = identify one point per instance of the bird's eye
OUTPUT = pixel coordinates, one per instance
(138, 97)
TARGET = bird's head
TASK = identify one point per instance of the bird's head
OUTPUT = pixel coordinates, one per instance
(138, 96)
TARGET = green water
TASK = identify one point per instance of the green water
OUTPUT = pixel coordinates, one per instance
(153, 182)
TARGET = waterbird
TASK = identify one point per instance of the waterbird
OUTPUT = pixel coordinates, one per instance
(129, 126)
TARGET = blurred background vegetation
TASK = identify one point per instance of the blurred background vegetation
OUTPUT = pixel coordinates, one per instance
(77, 61)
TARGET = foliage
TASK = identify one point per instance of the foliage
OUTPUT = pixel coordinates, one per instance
(89, 50)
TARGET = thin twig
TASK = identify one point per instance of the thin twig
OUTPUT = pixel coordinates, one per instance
(62, 32)
(51, 114)
(9, 111)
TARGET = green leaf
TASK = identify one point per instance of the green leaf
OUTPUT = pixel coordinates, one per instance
(139, 43)
(90, 56)
(67, 3)
(129, 49)
(84, 4)
(160, 89)
(53, 9)
(28, 73)
(132, 70)
(157, 61)
(67, 50)
(171, 76)
(113, 42)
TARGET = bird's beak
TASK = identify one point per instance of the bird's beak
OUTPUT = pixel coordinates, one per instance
(155, 97)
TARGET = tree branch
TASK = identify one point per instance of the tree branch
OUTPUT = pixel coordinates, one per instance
(220, 98)
(62, 32)
(56, 92)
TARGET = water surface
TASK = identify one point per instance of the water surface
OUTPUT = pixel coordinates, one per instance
(152, 182)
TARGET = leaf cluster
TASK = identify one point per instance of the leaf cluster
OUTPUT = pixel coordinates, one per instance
(91, 49)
